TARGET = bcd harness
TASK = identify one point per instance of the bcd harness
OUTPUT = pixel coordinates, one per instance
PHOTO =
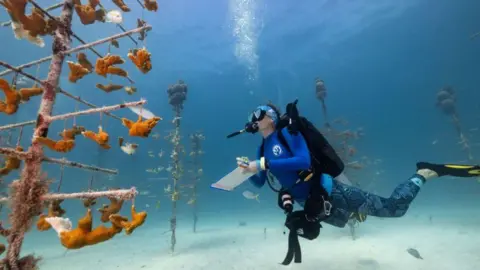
(318, 201)
(317, 191)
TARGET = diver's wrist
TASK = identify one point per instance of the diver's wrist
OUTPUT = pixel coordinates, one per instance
(258, 164)
(263, 163)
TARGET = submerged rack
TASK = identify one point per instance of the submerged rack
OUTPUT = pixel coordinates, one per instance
(29, 192)
(177, 94)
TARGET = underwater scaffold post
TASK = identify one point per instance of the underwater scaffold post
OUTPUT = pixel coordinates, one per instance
(321, 94)
(346, 151)
(29, 193)
(341, 142)
(446, 102)
(196, 139)
(345, 155)
(177, 94)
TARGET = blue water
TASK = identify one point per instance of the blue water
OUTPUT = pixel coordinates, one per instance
(382, 62)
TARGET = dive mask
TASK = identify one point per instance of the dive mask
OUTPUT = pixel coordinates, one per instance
(260, 112)
(257, 115)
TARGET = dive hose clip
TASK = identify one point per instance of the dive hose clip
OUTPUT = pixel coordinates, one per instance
(327, 207)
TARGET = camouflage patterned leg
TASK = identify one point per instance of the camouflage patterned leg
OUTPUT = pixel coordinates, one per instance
(359, 201)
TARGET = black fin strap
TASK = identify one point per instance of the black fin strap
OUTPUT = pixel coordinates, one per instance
(294, 251)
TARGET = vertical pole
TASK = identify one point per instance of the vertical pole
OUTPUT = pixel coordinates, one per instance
(27, 192)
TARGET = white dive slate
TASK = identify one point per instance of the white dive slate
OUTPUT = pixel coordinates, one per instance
(232, 180)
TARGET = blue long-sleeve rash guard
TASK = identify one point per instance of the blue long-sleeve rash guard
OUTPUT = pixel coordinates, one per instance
(285, 165)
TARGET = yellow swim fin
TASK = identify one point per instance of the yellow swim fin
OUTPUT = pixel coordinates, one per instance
(457, 170)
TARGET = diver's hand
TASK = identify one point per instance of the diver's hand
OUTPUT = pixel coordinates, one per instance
(285, 201)
(246, 165)
(293, 116)
(292, 110)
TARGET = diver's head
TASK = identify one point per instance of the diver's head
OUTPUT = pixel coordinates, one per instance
(265, 117)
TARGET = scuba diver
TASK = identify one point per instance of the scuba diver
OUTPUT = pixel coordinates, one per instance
(295, 154)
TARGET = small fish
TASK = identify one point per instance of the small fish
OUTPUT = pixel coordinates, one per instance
(250, 195)
(143, 34)
(158, 178)
(157, 205)
(146, 192)
(191, 201)
(152, 170)
(129, 148)
(114, 16)
(377, 161)
(176, 119)
(340, 121)
(22, 81)
(130, 89)
(115, 43)
(168, 189)
(175, 196)
(156, 136)
(161, 153)
(414, 253)
(109, 87)
(434, 142)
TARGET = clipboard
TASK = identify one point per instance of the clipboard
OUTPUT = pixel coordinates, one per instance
(232, 180)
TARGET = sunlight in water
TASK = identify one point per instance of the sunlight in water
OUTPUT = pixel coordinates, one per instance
(246, 31)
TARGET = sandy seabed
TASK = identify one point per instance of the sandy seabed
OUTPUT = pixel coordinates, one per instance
(450, 244)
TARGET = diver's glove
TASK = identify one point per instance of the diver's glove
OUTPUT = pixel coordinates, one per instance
(297, 221)
(298, 225)
(292, 110)
(285, 201)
